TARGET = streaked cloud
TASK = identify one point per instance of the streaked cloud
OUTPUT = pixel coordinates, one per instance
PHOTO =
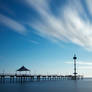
(33, 41)
(71, 25)
(80, 63)
(29, 40)
(89, 5)
(14, 25)
(85, 67)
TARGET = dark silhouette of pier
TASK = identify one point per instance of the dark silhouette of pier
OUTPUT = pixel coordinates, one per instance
(24, 78)
(21, 78)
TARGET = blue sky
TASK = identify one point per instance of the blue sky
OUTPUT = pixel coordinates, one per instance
(43, 35)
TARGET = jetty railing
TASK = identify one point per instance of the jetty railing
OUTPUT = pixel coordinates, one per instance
(12, 78)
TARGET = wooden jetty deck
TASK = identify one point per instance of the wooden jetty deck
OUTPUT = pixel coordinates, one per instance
(12, 78)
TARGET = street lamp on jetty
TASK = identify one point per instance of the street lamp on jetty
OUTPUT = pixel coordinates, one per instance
(75, 73)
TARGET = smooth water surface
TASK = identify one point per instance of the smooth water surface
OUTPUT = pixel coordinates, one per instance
(84, 85)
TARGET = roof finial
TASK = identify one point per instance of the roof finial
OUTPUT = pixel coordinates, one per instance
(74, 56)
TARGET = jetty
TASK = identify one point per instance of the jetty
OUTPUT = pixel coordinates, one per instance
(25, 78)
(20, 77)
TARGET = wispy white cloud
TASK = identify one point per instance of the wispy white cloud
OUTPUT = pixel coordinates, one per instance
(72, 25)
(81, 63)
(33, 41)
(85, 67)
(14, 25)
(30, 40)
(89, 5)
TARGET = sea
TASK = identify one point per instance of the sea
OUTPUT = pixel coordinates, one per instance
(84, 85)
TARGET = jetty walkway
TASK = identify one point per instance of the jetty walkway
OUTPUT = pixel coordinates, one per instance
(12, 78)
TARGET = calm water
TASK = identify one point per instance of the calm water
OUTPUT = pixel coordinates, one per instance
(84, 85)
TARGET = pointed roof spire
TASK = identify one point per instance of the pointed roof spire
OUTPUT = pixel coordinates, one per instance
(74, 56)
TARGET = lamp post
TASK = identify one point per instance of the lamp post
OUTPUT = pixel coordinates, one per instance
(75, 73)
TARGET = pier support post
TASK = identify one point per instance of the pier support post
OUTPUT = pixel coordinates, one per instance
(38, 78)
